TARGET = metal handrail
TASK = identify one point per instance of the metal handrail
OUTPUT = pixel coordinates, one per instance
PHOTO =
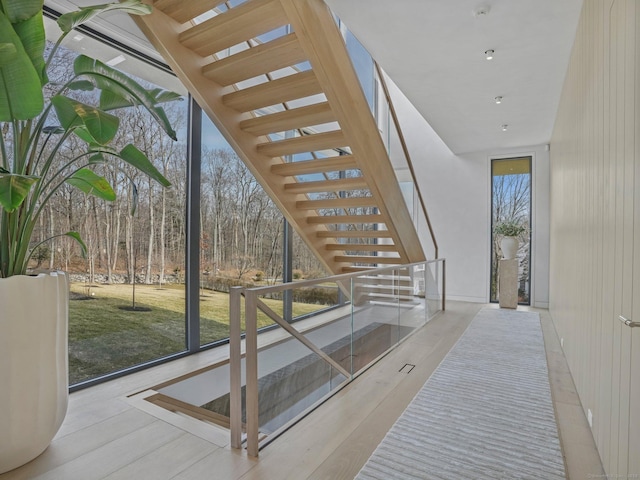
(335, 278)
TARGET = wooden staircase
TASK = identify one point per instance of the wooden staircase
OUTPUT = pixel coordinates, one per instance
(276, 79)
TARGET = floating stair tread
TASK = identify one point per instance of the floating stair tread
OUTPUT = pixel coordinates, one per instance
(406, 303)
(354, 247)
(337, 203)
(331, 164)
(264, 58)
(282, 90)
(342, 184)
(382, 278)
(338, 219)
(355, 269)
(305, 143)
(239, 24)
(354, 233)
(295, 118)
(367, 259)
(400, 288)
(182, 11)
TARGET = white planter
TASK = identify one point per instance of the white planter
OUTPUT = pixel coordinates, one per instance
(33, 364)
(509, 246)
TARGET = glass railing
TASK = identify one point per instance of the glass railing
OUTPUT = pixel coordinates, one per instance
(374, 85)
(283, 370)
(393, 138)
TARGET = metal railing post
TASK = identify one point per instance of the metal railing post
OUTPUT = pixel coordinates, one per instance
(235, 361)
(251, 361)
(444, 284)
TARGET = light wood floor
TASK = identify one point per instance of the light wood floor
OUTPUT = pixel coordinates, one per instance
(109, 435)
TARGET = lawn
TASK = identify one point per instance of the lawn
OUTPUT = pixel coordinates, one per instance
(103, 337)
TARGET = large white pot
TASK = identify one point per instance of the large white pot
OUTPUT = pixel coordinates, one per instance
(509, 246)
(33, 364)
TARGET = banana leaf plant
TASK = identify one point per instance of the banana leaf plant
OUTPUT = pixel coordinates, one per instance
(35, 126)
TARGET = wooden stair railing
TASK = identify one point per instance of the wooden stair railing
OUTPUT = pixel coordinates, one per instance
(298, 78)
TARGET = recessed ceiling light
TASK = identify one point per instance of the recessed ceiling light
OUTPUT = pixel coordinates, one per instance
(78, 37)
(489, 54)
(481, 11)
(498, 99)
(504, 127)
(115, 60)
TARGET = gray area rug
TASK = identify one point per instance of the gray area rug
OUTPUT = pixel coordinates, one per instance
(485, 413)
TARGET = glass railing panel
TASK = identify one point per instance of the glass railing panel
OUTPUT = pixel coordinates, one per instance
(302, 358)
(375, 306)
(374, 86)
(433, 275)
(291, 379)
(412, 311)
(363, 66)
(322, 334)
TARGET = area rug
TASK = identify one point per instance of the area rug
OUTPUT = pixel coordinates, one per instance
(485, 413)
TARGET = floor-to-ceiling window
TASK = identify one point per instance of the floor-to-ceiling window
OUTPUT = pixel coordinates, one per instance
(127, 299)
(155, 281)
(511, 202)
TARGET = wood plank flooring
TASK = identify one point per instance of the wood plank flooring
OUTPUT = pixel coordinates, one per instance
(106, 436)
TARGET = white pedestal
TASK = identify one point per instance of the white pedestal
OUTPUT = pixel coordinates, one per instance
(508, 283)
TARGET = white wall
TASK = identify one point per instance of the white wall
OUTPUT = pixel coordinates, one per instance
(456, 189)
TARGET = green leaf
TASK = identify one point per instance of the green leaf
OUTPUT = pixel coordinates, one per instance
(20, 83)
(66, 112)
(20, 10)
(8, 53)
(72, 114)
(53, 130)
(163, 96)
(32, 35)
(84, 134)
(108, 78)
(76, 236)
(135, 157)
(82, 85)
(92, 184)
(95, 148)
(14, 189)
(110, 99)
(134, 199)
(97, 159)
(69, 21)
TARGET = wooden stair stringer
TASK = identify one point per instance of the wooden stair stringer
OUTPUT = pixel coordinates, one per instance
(163, 32)
(321, 40)
(247, 133)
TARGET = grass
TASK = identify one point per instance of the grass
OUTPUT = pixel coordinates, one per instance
(104, 338)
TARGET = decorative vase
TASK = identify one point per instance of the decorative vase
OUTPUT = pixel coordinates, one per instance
(509, 246)
(33, 364)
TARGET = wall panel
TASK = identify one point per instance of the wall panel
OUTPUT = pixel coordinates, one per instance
(594, 161)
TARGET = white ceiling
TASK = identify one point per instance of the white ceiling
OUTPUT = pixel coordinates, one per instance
(434, 52)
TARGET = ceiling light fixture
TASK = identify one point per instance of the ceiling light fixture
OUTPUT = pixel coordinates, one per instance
(481, 11)
(489, 54)
(78, 37)
(504, 127)
(498, 100)
(115, 60)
